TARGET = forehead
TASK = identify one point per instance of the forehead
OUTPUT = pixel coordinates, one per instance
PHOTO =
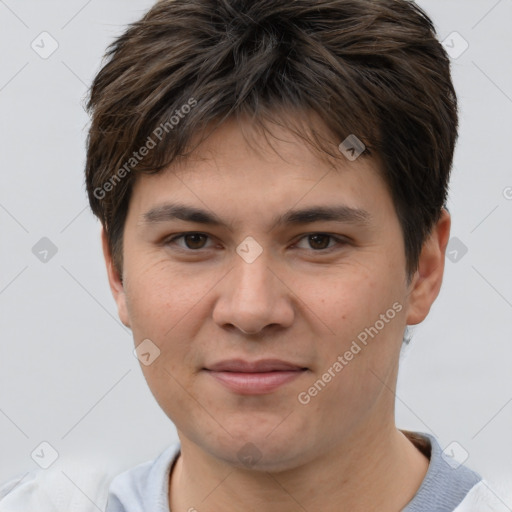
(237, 165)
(289, 136)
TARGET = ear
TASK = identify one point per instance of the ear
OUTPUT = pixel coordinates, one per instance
(427, 280)
(115, 281)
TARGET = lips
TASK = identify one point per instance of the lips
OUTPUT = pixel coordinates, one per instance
(264, 365)
(254, 378)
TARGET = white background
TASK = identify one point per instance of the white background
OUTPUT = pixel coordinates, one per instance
(67, 372)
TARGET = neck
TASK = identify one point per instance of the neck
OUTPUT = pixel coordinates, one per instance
(381, 472)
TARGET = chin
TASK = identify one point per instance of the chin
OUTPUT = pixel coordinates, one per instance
(257, 451)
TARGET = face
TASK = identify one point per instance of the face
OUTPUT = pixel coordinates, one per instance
(325, 292)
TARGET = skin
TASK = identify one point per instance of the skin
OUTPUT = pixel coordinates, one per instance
(201, 303)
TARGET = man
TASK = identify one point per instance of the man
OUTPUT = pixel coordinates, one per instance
(271, 179)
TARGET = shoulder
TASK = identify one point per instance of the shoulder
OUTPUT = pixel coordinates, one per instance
(145, 486)
(488, 497)
(83, 484)
(71, 485)
(450, 485)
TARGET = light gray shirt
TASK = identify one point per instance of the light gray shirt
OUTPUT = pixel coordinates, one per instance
(145, 487)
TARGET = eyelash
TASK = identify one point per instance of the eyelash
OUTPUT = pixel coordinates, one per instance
(339, 241)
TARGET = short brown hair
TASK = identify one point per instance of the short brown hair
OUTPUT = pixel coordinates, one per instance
(373, 68)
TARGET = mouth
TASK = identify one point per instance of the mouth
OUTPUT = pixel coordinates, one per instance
(254, 378)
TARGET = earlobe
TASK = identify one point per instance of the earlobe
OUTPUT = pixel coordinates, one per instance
(115, 281)
(428, 278)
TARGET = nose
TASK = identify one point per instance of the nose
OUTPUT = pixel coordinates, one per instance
(253, 297)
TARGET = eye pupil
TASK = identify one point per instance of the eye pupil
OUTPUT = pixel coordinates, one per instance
(315, 238)
(196, 236)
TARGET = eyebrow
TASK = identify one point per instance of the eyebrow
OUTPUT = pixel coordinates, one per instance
(339, 213)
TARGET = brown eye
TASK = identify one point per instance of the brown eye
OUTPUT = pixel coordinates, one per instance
(319, 241)
(188, 242)
(194, 240)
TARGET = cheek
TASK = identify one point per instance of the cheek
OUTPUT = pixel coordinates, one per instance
(361, 356)
(160, 299)
(365, 313)
(162, 305)
(355, 298)
(170, 306)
